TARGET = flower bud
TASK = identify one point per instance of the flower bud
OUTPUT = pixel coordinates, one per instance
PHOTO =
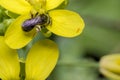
(110, 66)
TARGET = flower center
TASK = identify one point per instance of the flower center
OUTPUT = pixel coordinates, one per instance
(40, 19)
(38, 5)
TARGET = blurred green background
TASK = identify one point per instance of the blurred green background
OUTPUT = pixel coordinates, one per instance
(79, 56)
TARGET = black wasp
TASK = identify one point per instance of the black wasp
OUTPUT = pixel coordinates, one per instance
(41, 20)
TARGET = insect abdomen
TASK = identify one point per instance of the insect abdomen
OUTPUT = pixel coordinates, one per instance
(38, 20)
(30, 23)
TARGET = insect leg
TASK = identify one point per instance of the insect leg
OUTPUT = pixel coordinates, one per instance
(38, 28)
(32, 16)
(36, 14)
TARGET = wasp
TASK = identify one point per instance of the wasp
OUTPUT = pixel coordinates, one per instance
(40, 20)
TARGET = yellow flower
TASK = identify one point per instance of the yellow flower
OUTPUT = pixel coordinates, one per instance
(110, 66)
(40, 61)
(62, 22)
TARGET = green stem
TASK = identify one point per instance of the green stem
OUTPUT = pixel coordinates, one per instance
(22, 71)
(81, 63)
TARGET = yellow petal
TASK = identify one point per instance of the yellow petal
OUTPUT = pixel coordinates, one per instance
(9, 65)
(65, 23)
(41, 60)
(51, 4)
(15, 37)
(16, 6)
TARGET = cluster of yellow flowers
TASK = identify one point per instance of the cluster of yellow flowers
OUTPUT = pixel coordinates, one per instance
(43, 55)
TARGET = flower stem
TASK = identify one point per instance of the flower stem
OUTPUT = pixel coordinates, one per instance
(22, 71)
